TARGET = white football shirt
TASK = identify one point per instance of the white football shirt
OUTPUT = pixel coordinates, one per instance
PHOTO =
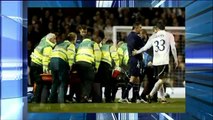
(161, 42)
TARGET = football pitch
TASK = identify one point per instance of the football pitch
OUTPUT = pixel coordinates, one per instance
(173, 105)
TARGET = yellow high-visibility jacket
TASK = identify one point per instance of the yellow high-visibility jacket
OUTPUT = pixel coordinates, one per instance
(42, 52)
(89, 51)
(110, 55)
(123, 54)
(66, 51)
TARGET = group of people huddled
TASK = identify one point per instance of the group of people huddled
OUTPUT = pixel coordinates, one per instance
(83, 66)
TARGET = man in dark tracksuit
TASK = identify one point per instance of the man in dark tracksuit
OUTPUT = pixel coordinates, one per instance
(134, 42)
(147, 69)
(149, 72)
(81, 35)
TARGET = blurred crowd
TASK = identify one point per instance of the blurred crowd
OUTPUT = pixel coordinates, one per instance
(63, 21)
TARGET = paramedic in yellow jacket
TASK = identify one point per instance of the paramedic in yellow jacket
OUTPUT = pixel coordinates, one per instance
(109, 61)
(40, 58)
(88, 58)
(123, 62)
(123, 54)
(61, 62)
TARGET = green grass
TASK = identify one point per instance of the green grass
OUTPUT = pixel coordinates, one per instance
(174, 105)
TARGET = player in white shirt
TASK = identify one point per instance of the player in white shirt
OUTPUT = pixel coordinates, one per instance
(161, 43)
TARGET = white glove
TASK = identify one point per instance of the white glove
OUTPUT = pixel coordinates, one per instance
(118, 68)
(45, 70)
(149, 64)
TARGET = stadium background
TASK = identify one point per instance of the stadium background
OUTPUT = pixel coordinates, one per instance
(41, 21)
(198, 59)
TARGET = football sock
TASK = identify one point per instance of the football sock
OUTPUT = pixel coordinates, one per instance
(161, 91)
(157, 86)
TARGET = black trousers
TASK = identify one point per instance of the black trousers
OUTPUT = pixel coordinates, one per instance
(120, 82)
(86, 73)
(36, 70)
(103, 79)
(75, 84)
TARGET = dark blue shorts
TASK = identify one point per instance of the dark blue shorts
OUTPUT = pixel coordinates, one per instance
(134, 67)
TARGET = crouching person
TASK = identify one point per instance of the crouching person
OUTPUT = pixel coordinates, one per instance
(39, 61)
(61, 62)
